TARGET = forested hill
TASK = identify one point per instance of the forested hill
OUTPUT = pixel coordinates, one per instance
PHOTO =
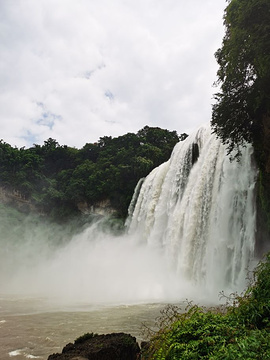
(58, 179)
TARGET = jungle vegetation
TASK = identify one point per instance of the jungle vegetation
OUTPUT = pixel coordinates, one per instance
(238, 330)
(56, 178)
(243, 75)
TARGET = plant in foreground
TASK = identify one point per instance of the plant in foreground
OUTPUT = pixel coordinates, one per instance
(241, 330)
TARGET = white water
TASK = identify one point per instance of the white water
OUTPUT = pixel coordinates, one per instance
(191, 234)
(202, 216)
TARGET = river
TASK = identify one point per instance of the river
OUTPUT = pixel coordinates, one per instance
(34, 328)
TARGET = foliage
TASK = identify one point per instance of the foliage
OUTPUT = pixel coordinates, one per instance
(84, 337)
(57, 178)
(244, 74)
(253, 308)
(242, 331)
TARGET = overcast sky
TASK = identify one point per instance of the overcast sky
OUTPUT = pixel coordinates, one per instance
(77, 70)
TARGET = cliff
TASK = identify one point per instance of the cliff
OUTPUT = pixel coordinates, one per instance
(16, 199)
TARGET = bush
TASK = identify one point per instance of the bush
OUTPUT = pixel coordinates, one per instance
(84, 337)
(240, 330)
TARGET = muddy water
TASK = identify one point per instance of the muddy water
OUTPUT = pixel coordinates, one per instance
(32, 328)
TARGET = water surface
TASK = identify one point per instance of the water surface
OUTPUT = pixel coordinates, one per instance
(35, 328)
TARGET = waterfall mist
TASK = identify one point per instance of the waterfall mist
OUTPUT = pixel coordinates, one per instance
(190, 234)
(92, 266)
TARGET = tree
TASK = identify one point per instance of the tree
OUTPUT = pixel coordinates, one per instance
(162, 139)
(57, 177)
(244, 75)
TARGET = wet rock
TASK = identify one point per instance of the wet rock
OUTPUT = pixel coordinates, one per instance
(117, 346)
(145, 350)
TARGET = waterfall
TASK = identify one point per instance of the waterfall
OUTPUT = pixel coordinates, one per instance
(198, 208)
(190, 234)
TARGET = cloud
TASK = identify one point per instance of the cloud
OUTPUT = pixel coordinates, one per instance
(79, 70)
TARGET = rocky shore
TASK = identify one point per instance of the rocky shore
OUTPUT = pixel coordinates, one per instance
(116, 346)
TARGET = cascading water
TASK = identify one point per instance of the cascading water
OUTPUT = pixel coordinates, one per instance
(190, 234)
(199, 208)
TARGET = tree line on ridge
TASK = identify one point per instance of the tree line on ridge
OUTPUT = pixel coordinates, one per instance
(56, 178)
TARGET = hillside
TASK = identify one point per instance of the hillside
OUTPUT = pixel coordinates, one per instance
(61, 181)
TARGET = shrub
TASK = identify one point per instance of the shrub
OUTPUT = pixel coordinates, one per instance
(84, 337)
(238, 331)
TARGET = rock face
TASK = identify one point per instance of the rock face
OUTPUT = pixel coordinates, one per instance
(118, 346)
(263, 190)
(99, 208)
(16, 199)
(266, 142)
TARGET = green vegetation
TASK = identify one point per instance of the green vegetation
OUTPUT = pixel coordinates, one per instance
(243, 102)
(84, 337)
(240, 330)
(57, 178)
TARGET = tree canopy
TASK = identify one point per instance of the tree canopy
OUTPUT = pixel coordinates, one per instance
(56, 178)
(244, 74)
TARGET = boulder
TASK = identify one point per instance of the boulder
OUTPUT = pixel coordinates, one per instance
(116, 346)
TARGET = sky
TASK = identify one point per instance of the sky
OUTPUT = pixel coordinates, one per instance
(77, 70)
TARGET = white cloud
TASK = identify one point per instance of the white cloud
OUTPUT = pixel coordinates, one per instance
(79, 70)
